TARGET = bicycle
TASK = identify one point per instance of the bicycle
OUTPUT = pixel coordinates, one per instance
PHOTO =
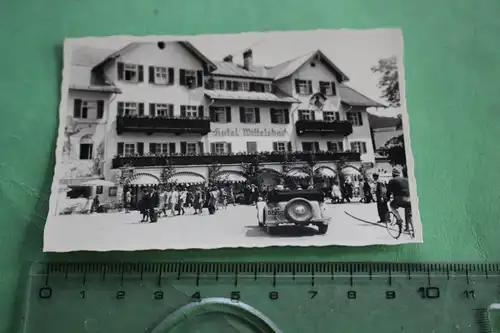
(395, 229)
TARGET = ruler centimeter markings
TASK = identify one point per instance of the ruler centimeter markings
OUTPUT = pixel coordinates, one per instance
(399, 295)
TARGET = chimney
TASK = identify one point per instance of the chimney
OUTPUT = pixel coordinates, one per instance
(248, 59)
(228, 58)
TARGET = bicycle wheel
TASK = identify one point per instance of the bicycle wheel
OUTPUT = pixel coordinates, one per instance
(393, 228)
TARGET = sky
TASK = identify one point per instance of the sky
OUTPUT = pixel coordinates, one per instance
(353, 51)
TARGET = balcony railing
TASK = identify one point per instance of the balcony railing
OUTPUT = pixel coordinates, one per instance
(238, 158)
(150, 125)
(320, 127)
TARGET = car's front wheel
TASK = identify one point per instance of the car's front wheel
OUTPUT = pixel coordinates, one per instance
(322, 229)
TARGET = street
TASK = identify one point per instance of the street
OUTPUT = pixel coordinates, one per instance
(235, 226)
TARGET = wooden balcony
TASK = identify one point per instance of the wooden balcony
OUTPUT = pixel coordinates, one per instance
(323, 128)
(150, 125)
(207, 159)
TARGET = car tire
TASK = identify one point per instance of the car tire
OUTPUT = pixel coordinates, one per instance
(322, 229)
(296, 201)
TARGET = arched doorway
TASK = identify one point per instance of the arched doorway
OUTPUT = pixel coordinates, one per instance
(138, 183)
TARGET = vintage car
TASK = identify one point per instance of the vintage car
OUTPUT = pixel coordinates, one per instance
(297, 207)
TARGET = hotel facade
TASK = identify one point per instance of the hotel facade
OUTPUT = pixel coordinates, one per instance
(148, 106)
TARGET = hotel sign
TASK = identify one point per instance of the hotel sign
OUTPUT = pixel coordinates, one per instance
(248, 132)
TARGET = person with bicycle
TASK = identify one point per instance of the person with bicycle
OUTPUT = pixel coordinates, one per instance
(398, 187)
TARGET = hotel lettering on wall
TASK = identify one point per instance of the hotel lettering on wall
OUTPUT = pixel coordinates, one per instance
(248, 132)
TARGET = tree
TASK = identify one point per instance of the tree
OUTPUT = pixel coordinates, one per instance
(388, 81)
(98, 160)
(394, 150)
(70, 130)
(166, 173)
(213, 170)
(251, 170)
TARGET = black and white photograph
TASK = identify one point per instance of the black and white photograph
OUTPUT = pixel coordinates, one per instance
(246, 140)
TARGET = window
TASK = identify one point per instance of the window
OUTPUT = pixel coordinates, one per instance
(331, 116)
(358, 146)
(113, 191)
(129, 149)
(356, 118)
(279, 147)
(249, 115)
(327, 88)
(310, 146)
(251, 147)
(163, 110)
(219, 84)
(279, 116)
(191, 148)
(303, 87)
(130, 108)
(130, 72)
(159, 148)
(245, 86)
(99, 190)
(88, 109)
(86, 147)
(189, 111)
(306, 115)
(220, 148)
(220, 115)
(191, 78)
(335, 147)
(267, 87)
(160, 75)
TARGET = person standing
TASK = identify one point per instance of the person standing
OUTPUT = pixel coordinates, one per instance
(174, 200)
(367, 190)
(128, 201)
(381, 197)
(144, 206)
(95, 204)
(198, 201)
(182, 201)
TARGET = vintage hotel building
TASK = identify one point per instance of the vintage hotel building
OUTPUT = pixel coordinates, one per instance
(135, 110)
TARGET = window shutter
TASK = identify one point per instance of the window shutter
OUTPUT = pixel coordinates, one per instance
(297, 86)
(301, 114)
(152, 147)
(182, 77)
(120, 108)
(334, 88)
(201, 111)
(140, 148)
(84, 112)
(252, 86)
(329, 146)
(141, 109)
(100, 109)
(199, 79)
(171, 148)
(170, 110)
(242, 115)
(119, 68)
(275, 146)
(249, 146)
(360, 118)
(228, 147)
(200, 147)
(171, 75)
(313, 115)
(304, 146)
(119, 149)
(229, 85)
(316, 146)
(77, 108)
(183, 147)
(310, 86)
(289, 146)
(228, 114)
(337, 116)
(340, 146)
(212, 148)
(152, 112)
(363, 148)
(287, 116)
(272, 111)
(211, 109)
(151, 74)
(183, 111)
(141, 73)
(257, 115)
(322, 88)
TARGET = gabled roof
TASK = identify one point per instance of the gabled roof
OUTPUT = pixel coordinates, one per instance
(187, 45)
(289, 67)
(351, 97)
(225, 68)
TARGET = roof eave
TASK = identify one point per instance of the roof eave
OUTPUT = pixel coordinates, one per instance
(243, 76)
(191, 48)
(366, 105)
(102, 89)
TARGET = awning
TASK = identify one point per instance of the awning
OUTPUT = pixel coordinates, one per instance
(350, 171)
(325, 172)
(186, 178)
(143, 179)
(297, 173)
(230, 177)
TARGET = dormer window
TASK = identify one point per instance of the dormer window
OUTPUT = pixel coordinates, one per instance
(303, 87)
(130, 72)
(327, 88)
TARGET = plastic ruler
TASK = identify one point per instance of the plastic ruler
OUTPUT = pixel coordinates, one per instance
(262, 297)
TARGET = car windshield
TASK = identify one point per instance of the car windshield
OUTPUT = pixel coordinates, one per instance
(287, 195)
